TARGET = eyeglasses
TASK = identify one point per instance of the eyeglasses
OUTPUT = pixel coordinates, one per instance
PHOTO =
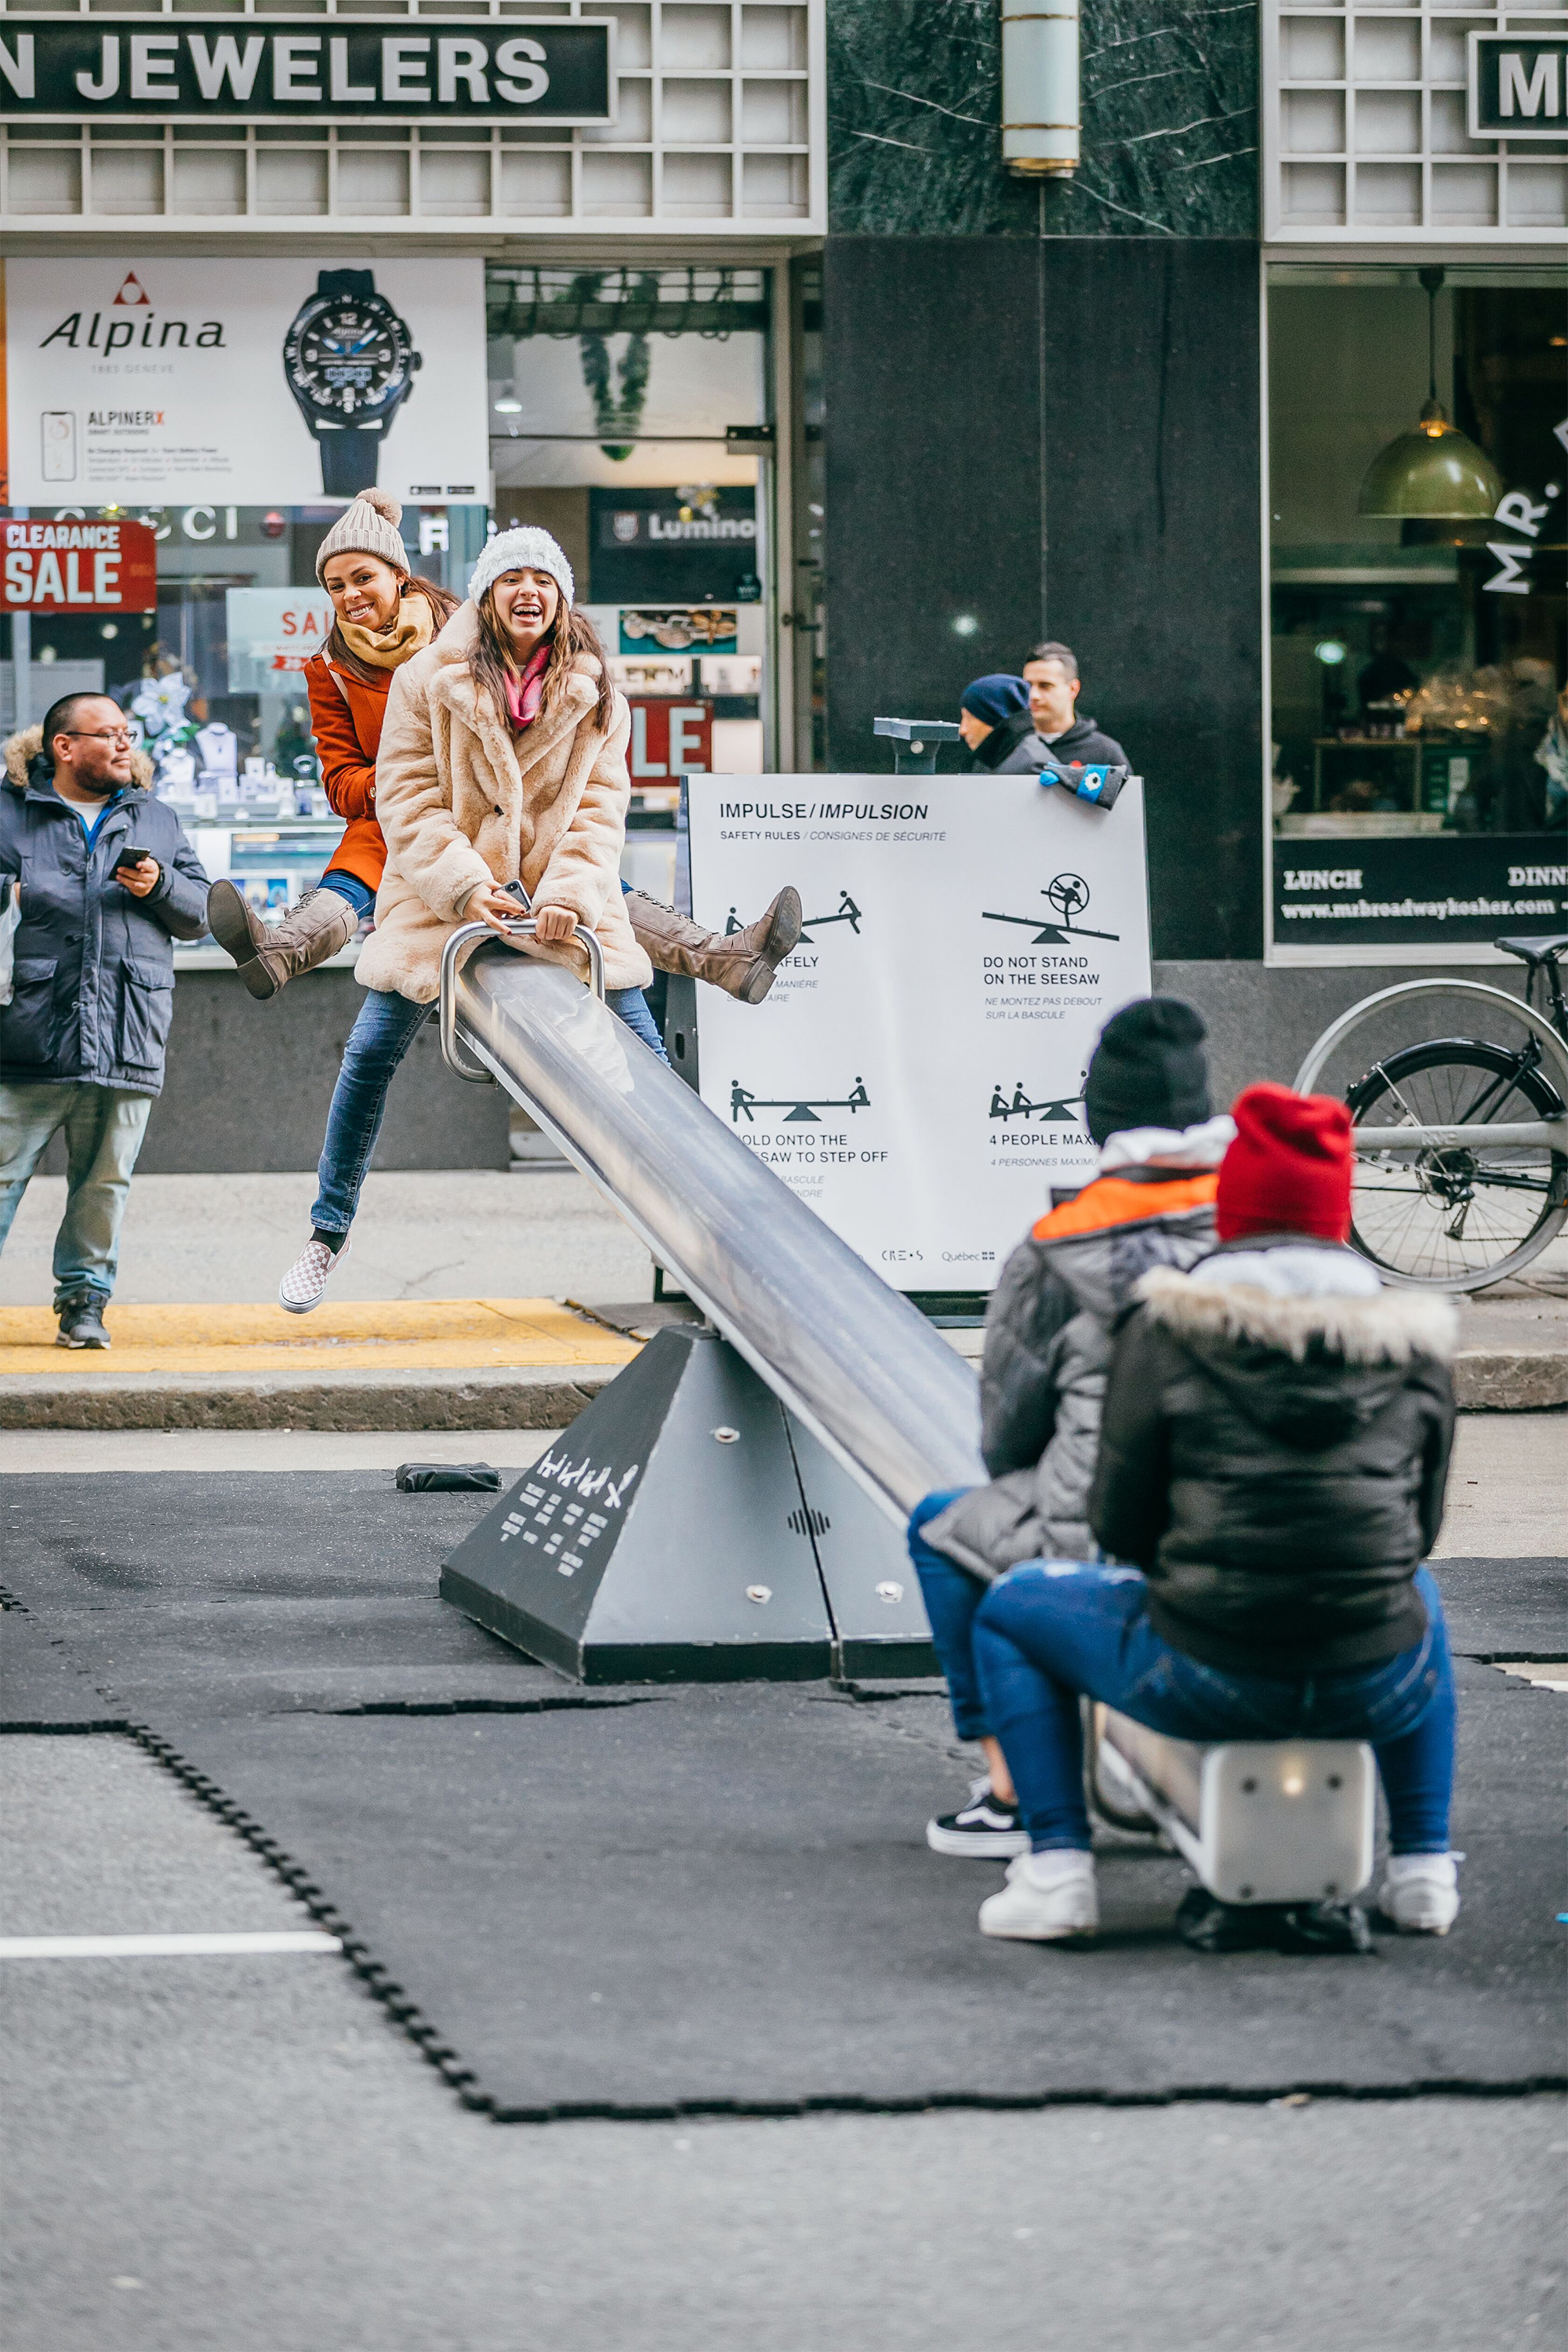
(99, 734)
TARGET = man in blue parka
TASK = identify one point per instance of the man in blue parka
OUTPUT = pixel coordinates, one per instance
(106, 882)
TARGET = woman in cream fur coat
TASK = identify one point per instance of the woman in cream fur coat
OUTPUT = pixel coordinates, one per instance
(503, 756)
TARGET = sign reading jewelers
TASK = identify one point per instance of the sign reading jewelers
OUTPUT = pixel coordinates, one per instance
(243, 382)
(108, 68)
(916, 1072)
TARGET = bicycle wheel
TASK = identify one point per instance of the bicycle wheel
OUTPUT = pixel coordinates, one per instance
(1455, 1217)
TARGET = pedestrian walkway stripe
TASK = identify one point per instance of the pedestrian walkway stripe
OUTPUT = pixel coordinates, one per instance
(341, 1336)
(160, 1948)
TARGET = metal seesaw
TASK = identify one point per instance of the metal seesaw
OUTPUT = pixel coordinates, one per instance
(732, 1504)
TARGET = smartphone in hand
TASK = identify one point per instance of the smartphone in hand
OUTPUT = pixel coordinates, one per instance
(129, 856)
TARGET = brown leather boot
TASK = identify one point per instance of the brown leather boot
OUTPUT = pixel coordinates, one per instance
(321, 923)
(743, 965)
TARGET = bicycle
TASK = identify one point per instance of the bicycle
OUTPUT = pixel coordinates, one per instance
(1466, 1180)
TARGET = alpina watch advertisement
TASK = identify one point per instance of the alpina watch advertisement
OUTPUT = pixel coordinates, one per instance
(243, 382)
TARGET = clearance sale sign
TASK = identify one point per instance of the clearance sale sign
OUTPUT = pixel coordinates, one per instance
(79, 565)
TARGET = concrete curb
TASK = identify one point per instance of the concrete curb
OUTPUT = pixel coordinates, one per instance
(1511, 1380)
(1486, 1380)
(536, 1398)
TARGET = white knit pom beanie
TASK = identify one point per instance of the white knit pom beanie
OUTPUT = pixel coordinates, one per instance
(368, 526)
(526, 548)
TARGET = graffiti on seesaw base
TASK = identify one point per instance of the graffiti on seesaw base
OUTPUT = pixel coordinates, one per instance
(1053, 1107)
(1067, 895)
(798, 1109)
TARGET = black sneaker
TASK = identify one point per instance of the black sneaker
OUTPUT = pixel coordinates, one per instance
(81, 1321)
(985, 1827)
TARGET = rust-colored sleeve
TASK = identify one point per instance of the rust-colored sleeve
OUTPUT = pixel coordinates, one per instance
(347, 775)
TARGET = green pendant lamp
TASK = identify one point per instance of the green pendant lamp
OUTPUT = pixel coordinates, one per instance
(1435, 473)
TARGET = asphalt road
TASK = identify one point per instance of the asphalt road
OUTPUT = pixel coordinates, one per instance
(247, 2155)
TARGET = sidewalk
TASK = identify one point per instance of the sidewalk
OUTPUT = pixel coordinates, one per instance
(459, 1308)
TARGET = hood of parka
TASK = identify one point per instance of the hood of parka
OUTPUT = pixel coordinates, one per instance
(1302, 1339)
(25, 764)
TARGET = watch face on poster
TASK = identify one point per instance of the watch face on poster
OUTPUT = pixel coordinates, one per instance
(350, 362)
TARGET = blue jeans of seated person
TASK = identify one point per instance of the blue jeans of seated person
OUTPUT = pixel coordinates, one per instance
(387, 1027)
(951, 1598)
(1018, 1653)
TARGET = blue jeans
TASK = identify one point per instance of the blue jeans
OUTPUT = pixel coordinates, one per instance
(1024, 1648)
(387, 1027)
(104, 1127)
(360, 895)
(951, 1598)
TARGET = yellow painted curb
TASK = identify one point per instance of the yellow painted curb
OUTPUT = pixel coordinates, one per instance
(365, 1335)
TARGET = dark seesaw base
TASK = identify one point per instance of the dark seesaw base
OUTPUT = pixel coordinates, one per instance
(687, 1528)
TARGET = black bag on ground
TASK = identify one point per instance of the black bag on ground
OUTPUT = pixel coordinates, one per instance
(447, 1478)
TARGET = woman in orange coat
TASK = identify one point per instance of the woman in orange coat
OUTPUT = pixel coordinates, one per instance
(383, 617)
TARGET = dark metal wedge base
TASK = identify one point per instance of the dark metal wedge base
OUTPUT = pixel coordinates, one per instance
(686, 1528)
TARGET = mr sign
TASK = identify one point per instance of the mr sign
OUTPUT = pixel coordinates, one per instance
(1518, 86)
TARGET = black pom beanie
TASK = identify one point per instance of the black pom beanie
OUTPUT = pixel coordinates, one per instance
(1148, 1069)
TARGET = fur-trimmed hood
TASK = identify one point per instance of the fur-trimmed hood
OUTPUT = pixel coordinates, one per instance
(1303, 1339)
(24, 747)
(1389, 1326)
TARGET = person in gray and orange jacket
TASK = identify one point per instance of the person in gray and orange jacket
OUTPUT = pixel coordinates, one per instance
(1049, 1336)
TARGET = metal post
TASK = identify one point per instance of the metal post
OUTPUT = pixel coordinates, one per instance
(916, 742)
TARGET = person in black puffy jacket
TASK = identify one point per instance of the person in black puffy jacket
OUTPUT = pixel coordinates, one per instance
(1274, 1447)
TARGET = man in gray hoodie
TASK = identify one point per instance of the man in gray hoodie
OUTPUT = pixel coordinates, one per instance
(1049, 1335)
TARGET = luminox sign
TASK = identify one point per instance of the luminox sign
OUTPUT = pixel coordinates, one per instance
(1519, 85)
(368, 70)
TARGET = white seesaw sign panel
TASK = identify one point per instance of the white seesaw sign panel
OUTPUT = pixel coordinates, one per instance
(916, 1073)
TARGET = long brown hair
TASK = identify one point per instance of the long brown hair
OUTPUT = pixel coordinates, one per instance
(443, 604)
(573, 633)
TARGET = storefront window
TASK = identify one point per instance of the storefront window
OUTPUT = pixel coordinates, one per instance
(1419, 782)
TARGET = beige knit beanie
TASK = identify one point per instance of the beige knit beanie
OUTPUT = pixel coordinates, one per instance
(368, 526)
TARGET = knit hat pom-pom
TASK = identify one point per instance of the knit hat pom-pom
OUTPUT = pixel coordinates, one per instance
(367, 526)
(381, 502)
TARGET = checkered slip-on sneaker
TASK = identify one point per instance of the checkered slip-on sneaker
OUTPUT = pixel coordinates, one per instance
(302, 1287)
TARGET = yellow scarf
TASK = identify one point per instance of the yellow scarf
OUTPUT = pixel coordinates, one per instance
(410, 629)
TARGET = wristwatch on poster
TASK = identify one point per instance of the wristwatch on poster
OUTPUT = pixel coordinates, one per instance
(350, 362)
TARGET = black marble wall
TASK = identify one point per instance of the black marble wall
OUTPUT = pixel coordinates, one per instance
(1059, 440)
(1169, 113)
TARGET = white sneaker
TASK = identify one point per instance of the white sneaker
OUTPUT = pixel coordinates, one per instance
(1047, 1895)
(1420, 1893)
(305, 1280)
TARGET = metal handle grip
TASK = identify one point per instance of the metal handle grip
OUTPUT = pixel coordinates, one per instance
(459, 946)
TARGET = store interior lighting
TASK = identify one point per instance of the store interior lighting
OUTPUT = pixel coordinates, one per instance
(1434, 474)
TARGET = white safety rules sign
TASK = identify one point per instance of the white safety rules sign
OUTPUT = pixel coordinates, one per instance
(916, 1073)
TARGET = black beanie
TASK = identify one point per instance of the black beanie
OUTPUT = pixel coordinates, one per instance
(1148, 1069)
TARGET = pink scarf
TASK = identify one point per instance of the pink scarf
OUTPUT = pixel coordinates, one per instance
(524, 694)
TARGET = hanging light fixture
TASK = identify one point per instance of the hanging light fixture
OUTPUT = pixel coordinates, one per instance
(1435, 473)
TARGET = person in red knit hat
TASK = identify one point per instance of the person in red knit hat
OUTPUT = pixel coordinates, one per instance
(1273, 1453)
(1288, 1170)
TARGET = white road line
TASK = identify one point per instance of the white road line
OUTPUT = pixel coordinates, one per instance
(160, 1948)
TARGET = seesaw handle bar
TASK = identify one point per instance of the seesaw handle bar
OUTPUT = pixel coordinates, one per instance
(459, 946)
